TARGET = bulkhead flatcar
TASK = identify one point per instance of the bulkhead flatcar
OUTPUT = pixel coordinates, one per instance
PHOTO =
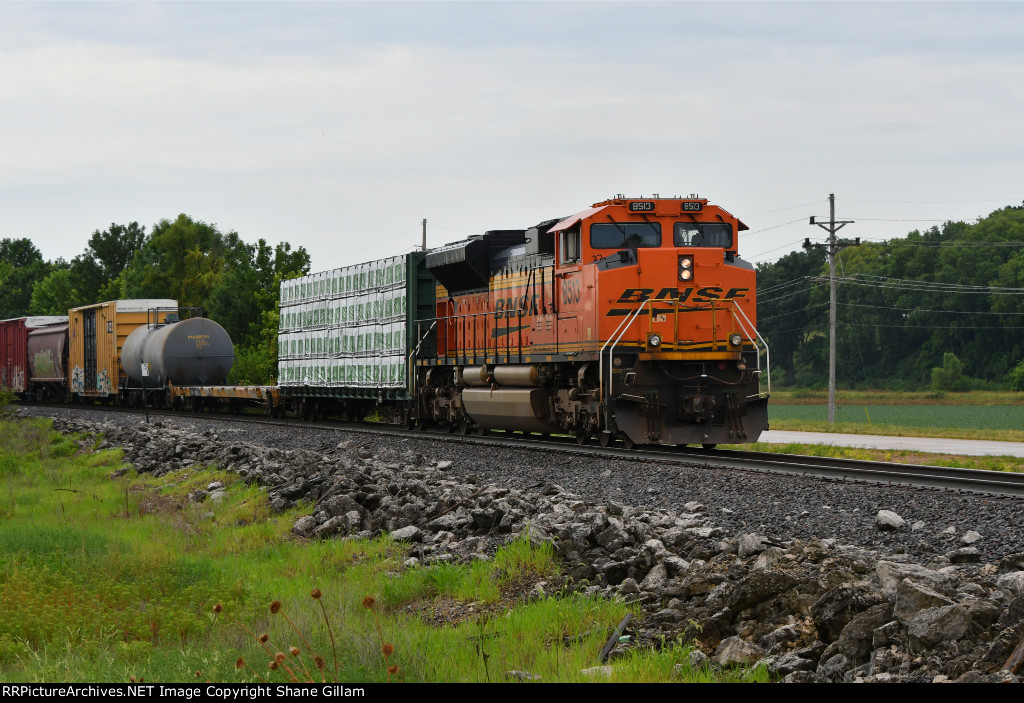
(346, 335)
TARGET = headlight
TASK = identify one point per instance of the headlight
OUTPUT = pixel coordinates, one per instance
(685, 268)
(654, 340)
(735, 339)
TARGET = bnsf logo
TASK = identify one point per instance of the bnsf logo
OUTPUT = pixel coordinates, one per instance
(701, 295)
(641, 206)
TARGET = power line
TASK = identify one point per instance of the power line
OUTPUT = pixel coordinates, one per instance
(784, 246)
(936, 327)
(758, 231)
(923, 286)
(781, 297)
(780, 286)
(950, 245)
(792, 312)
(944, 312)
(1001, 200)
(781, 209)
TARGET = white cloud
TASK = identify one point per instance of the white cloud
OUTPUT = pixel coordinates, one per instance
(337, 125)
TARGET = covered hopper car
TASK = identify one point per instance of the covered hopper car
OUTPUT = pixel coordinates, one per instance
(33, 352)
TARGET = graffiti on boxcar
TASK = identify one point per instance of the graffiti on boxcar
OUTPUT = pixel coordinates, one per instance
(103, 386)
(77, 380)
(44, 365)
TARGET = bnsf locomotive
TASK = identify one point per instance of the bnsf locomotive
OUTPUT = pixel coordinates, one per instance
(633, 320)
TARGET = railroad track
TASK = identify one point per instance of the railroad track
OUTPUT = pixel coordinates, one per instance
(997, 483)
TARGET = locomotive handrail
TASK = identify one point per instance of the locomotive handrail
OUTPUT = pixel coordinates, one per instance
(410, 376)
(767, 351)
(617, 335)
(620, 331)
(458, 322)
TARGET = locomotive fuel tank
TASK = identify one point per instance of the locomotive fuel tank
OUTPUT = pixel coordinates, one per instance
(192, 352)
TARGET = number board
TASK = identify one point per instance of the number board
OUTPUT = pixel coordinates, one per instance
(641, 206)
(692, 206)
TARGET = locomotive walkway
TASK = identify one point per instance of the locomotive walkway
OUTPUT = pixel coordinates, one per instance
(936, 445)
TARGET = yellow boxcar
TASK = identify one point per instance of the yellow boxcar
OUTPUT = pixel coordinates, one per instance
(95, 335)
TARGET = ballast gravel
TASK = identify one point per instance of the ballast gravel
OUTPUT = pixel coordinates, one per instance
(779, 507)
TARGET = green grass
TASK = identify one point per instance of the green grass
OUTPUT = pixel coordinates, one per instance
(790, 396)
(106, 575)
(985, 463)
(966, 417)
(982, 415)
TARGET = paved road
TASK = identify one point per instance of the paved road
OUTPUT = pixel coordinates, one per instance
(967, 447)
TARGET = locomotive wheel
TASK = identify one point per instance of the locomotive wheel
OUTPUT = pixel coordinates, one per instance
(709, 446)
(581, 437)
(605, 439)
(464, 426)
(630, 444)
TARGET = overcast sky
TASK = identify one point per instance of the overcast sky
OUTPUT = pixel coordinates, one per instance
(338, 126)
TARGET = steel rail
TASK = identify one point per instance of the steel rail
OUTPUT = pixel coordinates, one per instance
(1003, 483)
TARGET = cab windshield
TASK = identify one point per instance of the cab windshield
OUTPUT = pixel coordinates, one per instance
(625, 235)
(702, 234)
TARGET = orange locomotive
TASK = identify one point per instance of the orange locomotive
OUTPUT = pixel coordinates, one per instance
(632, 320)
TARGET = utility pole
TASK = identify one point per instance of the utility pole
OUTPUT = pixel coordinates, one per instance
(424, 234)
(833, 247)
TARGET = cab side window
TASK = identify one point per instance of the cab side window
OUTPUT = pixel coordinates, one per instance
(569, 246)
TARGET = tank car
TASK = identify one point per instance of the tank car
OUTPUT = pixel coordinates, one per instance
(634, 319)
(130, 351)
(192, 352)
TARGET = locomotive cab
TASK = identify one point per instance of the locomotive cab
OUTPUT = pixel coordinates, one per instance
(679, 361)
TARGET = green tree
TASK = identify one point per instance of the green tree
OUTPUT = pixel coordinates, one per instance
(109, 253)
(950, 376)
(783, 313)
(55, 294)
(21, 266)
(236, 283)
(180, 260)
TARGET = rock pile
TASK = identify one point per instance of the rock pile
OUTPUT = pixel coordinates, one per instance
(809, 609)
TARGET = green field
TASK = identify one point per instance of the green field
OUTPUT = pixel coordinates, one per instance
(109, 576)
(962, 417)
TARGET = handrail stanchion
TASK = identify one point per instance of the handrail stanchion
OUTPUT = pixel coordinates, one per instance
(617, 335)
(767, 351)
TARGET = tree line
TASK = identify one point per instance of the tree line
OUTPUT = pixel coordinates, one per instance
(941, 309)
(234, 282)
